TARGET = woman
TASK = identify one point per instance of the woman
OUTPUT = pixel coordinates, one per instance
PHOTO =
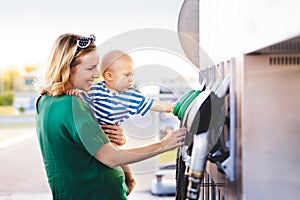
(80, 160)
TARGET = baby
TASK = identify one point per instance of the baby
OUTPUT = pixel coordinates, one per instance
(114, 99)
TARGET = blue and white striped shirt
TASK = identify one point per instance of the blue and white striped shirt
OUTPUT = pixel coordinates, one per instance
(114, 108)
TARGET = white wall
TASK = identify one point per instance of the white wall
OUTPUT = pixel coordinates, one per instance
(229, 28)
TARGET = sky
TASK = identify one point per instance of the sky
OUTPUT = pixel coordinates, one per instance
(29, 28)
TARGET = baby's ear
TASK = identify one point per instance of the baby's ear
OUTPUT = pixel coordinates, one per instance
(108, 76)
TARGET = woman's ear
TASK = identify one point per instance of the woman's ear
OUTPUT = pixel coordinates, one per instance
(73, 70)
(108, 76)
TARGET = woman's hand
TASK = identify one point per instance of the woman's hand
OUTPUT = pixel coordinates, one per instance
(115, 134)
(173, 139)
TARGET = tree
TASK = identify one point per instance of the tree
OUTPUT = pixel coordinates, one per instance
(10, 73)
(30, 68)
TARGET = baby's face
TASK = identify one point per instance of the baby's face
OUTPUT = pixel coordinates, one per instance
(122, 71)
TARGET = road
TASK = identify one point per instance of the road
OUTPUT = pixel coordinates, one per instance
(17, 119)
(22, 170)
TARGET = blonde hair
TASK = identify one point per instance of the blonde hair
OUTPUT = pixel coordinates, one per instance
(62, 58)
(111, 57)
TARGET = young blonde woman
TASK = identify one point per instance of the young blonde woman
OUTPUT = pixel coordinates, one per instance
(80, 160)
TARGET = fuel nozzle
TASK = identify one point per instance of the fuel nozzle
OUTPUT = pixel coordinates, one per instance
(198, 163)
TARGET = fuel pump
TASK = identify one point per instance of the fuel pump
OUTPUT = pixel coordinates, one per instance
(202, 113)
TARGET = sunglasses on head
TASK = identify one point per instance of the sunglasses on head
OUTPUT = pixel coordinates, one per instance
(84, 42)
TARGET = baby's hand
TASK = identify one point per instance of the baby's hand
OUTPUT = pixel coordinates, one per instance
(73, 92)
(173, 106)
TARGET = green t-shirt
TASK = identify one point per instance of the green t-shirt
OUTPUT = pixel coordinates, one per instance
(69, 136)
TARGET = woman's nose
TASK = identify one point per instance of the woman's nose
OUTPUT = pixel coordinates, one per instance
(97, 73)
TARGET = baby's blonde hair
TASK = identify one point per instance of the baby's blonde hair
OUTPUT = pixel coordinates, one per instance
(62, 58)
(111, 57)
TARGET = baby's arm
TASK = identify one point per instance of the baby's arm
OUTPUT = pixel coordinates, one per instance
(160, 106)
(129, 178)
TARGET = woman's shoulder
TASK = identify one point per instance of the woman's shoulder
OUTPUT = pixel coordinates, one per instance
(67, 101)
(62, 103)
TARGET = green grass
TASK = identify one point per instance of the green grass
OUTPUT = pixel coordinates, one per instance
(8, 110)
(16, 126)
(168, 157)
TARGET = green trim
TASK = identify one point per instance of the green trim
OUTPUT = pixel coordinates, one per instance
(181, 101)
(186, 103)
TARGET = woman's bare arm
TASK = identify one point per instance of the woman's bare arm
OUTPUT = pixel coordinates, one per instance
(112, 157)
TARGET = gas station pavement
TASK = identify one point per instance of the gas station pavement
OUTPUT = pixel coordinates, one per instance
(47, 196)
